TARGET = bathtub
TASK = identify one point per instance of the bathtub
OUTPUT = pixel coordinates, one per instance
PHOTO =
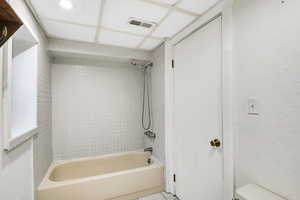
(123, 176)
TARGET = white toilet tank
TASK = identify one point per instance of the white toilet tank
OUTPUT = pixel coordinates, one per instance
(255, 192)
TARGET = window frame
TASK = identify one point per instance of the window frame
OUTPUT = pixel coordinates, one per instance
(11, 142)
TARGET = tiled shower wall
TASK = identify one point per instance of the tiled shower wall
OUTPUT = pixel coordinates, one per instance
(96, 109)
(42, 143)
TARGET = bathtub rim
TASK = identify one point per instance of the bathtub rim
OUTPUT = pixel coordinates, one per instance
(48, 184)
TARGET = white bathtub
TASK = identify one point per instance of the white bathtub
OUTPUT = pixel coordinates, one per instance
(124, 176)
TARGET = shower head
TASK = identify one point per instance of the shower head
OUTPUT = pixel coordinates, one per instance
(150, 64)
(133, 62)
(141, 64)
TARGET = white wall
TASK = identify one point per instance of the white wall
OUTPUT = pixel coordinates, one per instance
(158, 102)
(22, 169)
(24, 92)
(266, 66)
(16, 173)
(96, 109)
(162, 108)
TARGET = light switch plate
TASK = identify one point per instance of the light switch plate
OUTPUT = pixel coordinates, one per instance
(252, 106)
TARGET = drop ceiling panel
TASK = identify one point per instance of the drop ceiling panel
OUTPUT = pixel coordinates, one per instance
(174, 23)
(119, 39)
(151, 44)
(80, 23)
(83, 11)
(69, 31)
(118, 12)
(197, 6)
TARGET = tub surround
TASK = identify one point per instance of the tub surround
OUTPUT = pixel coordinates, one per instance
(96, 109)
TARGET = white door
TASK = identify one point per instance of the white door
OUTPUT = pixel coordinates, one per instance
(198, 114)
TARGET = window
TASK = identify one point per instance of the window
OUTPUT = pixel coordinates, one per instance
(19, 88)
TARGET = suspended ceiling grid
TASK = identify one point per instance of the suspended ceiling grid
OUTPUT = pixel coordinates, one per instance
(106, 21)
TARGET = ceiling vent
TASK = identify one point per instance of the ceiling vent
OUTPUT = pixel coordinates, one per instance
(141, 23)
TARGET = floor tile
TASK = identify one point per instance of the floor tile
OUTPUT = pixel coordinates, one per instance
(169, 196)
(161, 196)
(153, 197)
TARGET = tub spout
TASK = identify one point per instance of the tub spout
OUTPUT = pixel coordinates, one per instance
(149, 149)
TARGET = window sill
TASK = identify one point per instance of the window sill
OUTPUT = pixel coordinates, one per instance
(16, 141)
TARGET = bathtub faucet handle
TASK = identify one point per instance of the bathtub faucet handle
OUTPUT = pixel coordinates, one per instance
(149, 149)
(150, 134)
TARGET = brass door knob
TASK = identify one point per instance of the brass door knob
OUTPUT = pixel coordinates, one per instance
(215, 143)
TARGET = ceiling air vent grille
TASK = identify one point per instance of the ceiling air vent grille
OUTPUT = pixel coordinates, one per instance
(141, 23)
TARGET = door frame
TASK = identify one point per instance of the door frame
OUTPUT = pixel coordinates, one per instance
(222, 9)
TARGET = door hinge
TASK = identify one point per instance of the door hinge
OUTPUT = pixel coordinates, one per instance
(173, 64)
(174, 178)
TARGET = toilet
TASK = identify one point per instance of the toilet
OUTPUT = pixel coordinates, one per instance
(256, 192)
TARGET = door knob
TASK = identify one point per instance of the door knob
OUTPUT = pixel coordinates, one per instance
(215, 143)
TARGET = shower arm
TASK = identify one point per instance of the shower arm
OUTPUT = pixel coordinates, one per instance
(149, 64)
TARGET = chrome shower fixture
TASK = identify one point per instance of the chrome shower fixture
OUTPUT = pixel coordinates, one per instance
(150, 64)
(149, 149)
(150, 134)
(141, 64)
(146, 107)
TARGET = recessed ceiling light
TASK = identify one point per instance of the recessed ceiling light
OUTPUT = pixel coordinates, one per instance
(66, 4)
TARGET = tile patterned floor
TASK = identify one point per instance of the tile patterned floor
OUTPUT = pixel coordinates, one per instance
(160, 196)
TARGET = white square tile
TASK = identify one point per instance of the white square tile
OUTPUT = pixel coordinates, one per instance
(118, 12)
(151, 43)
(153, 197)
(169, 196)
(106, 123)
(69, 31)
(119, 39)
(174, 23)
(197, 6)
(83, 12)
